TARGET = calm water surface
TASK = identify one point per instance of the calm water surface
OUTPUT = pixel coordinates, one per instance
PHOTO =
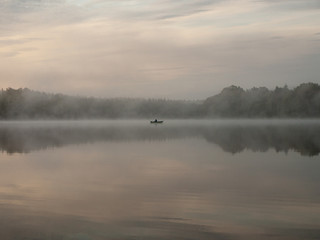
(83, 180)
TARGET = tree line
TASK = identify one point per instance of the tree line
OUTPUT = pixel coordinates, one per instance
(300, 102)
(29, 104)
(232, 102)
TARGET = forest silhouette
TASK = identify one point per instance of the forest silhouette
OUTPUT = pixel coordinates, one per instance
(232, 102)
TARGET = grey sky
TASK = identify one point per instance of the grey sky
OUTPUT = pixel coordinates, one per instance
(157, 48)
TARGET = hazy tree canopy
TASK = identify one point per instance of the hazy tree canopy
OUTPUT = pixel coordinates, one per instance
(232, 102)
(28, 104)
(302, 101)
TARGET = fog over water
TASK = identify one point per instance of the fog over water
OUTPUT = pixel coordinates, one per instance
(64, 175)
(188, 179)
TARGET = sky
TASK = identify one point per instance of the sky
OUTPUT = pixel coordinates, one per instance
(182, 49)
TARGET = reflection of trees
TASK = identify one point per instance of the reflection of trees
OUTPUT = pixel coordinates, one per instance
(304, 139)
(26, 139)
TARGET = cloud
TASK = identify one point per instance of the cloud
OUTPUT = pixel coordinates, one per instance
(180, 49)
(299, 5)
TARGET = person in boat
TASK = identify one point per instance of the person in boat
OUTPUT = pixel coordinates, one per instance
(156, 120)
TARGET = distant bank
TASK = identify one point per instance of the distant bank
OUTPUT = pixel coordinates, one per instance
(233, 102)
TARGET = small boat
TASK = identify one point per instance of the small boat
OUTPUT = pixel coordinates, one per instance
(156, 121)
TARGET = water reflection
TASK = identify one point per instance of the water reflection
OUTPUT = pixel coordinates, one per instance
(136, 181)
(233, 137)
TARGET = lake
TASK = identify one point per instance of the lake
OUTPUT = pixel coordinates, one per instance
(190, 179)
